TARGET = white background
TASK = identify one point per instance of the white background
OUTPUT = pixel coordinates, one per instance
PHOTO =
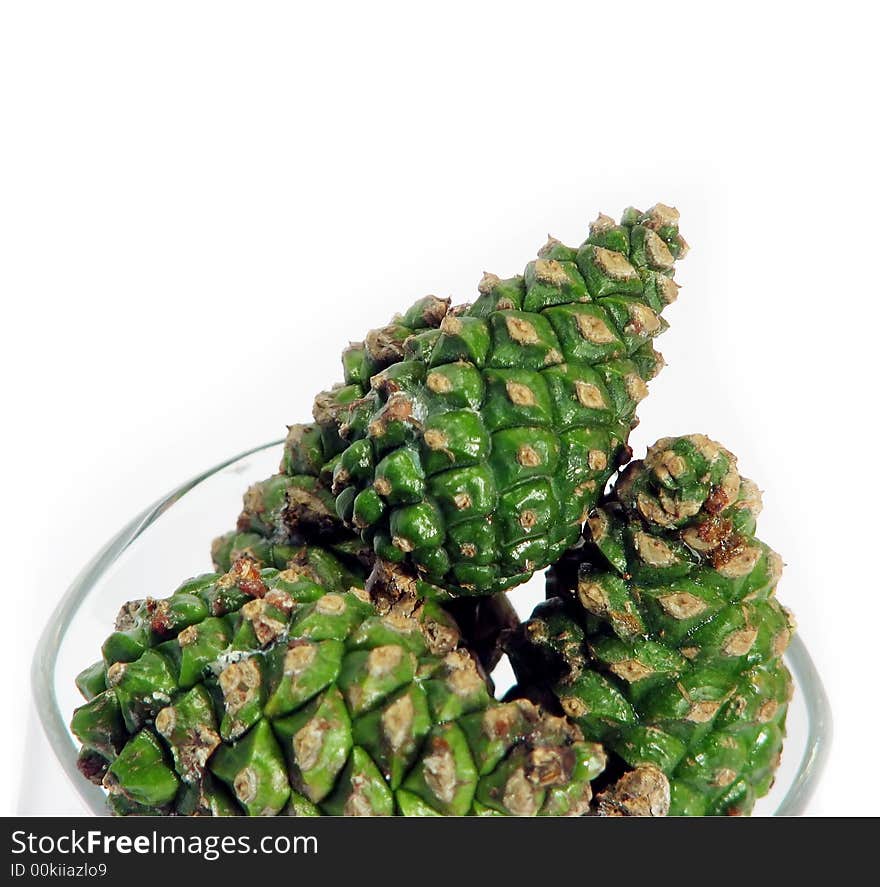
(202, 203)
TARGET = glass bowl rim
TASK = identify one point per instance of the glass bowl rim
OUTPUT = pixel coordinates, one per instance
(54, 723)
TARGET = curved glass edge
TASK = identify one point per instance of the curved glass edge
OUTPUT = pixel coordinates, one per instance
(820, 734)
(46, 652)
(43, 666)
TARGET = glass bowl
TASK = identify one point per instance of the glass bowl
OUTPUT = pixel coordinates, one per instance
(170, 541)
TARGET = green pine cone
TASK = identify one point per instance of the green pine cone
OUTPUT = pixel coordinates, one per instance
(266, 692)
(290, 509)
(291, 513)
(469, 444)
(662, 637)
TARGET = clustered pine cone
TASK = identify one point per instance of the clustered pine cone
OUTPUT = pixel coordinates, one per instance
(338, 659)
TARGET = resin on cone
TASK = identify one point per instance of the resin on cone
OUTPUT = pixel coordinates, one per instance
(662, 637)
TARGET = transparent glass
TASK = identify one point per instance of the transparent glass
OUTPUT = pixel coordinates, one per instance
(170, 541)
